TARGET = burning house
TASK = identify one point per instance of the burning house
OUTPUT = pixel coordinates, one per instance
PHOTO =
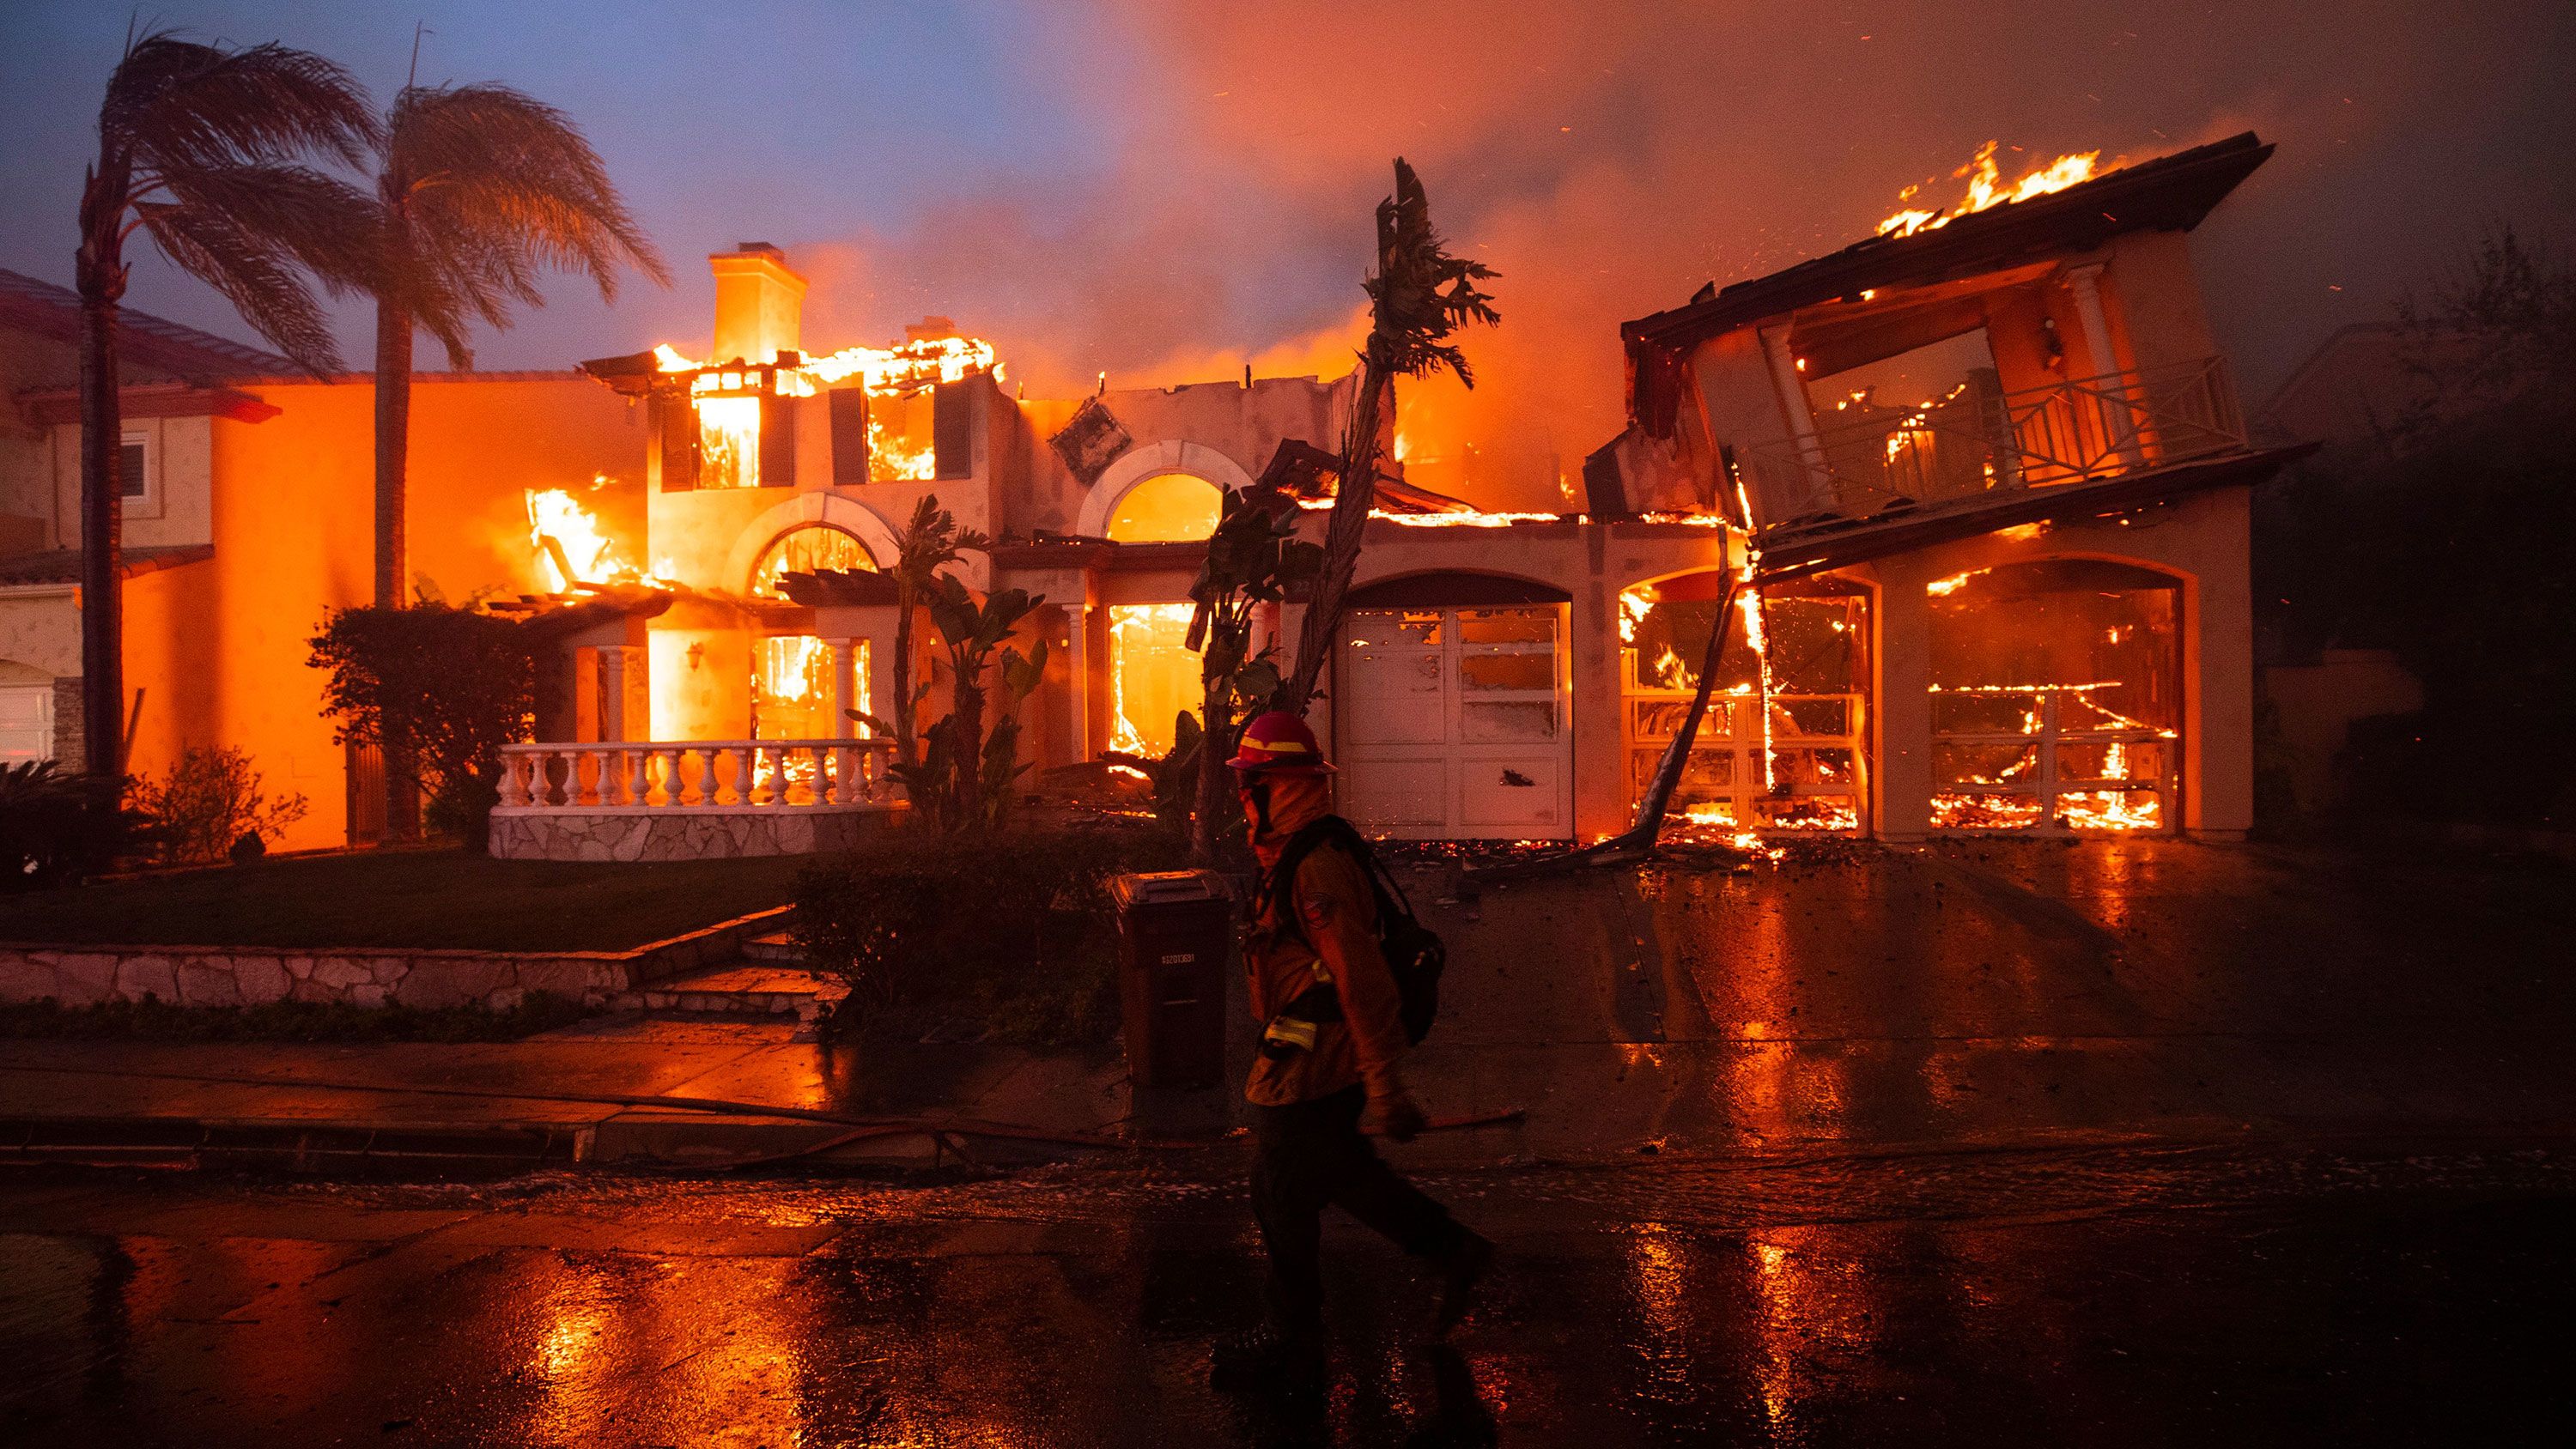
(1984, 477)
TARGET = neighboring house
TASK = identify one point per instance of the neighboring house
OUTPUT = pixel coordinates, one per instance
(1991, 479)
(249, 513)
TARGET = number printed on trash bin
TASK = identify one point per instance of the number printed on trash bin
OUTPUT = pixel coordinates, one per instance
(1183, 959)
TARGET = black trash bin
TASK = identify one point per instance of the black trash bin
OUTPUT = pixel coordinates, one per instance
(1175, 929)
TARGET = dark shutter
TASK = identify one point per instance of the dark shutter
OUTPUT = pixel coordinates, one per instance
(849, 435)
(778, 442)
(679, 444)
(129, 470)
(952, 430)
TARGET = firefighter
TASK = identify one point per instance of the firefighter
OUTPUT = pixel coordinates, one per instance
(1327, 1057)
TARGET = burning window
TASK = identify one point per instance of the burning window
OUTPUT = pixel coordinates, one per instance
(903, 437)
(804, 549)
(1167, 508)
(1782, 745)
(1918, 425)
(1153, 676)
(2056, 698)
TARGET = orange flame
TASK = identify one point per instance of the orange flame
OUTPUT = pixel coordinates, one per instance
(1986, 189)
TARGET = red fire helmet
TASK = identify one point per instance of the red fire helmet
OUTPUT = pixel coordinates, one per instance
(1280, 741)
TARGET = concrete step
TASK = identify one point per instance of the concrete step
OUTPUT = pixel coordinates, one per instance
(736, 988)
(777, 946)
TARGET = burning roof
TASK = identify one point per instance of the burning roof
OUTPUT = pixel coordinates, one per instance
(2170, 193)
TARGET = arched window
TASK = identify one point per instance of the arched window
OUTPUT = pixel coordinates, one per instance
(804, 549)
(2056, 697)
(1166, 508)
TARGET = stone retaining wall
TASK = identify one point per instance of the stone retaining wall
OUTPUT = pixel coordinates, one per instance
(427, 979)
(632, 832)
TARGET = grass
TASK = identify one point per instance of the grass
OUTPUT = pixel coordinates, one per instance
(154, 1020)
(406, 898)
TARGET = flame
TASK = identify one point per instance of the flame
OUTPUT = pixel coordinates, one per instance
(555, 515)
(1133, 629)
(1986, 190)
(1476, 518)
(1950, 585)
(729, 425)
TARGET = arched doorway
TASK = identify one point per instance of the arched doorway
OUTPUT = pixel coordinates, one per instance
(2056, 698)
(791, 685)
(1452, 712)
(1784, 743)
(1166, 508)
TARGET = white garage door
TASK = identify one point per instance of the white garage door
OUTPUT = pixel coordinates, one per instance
(26, 723)
(1452, 724)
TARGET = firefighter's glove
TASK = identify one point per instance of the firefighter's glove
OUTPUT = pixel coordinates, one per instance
(1399, 1117)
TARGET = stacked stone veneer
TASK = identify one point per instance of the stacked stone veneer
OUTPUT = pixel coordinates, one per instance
(648, 833)
(253, 976)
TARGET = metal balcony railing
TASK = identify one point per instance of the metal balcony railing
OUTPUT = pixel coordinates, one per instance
(1980, 439)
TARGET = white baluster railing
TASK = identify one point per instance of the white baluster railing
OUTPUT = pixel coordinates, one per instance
(697, 775)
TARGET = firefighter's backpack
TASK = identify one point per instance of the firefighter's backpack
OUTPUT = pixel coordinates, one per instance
(1414, 953)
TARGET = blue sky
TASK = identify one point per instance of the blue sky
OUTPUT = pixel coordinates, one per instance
(1164, 188)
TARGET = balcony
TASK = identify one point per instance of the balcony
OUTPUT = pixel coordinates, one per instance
(690, 800)
(1980, 441)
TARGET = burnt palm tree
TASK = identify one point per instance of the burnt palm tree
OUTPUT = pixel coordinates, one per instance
(1419, 297)
(479, 189)
(200, 149)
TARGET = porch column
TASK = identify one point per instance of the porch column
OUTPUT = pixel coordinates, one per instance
(2085, 284)
(2218, 676)
(1901, 747)
(625, 701)
(842, 657)
(1077, 666)
(1793, 396)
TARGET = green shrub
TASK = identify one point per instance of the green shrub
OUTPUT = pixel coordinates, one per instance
(455, 684)
(58, 829)
(1011, 931)
(211, 806)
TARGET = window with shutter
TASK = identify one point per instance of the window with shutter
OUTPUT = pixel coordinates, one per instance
(776, 467)
(679, 444)
(132, 462)
(952, 430)
(849, 436)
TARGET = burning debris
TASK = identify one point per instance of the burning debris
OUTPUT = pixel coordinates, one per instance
(573, 552)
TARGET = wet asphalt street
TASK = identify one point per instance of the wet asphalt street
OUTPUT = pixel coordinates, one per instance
(2133, 1144)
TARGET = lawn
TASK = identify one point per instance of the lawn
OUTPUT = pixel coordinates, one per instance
(445, 898)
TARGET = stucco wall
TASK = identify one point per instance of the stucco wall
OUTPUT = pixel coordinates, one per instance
(219, 648)
(41, 630)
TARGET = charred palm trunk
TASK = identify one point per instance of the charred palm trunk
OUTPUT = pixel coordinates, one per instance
(1649, 825)
(393, 457)
(393, 448)
(1342, 535)
(102, 515)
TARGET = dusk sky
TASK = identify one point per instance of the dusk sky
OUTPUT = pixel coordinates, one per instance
(1167, 190)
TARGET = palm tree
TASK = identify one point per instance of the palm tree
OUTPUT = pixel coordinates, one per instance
(198, 148)
(1418, 297)
(479, 188)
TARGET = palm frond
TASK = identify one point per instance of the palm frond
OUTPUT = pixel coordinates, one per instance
(175, 105)
(1421, 294)
(256, 272)
(484, 190)
(320, 221)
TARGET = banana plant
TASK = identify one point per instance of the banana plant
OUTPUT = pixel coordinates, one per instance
(1253, 557)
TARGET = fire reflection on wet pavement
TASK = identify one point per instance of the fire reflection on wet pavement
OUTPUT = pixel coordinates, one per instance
(2086, 1292)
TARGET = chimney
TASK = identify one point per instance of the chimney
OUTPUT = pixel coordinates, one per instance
(760, 303)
